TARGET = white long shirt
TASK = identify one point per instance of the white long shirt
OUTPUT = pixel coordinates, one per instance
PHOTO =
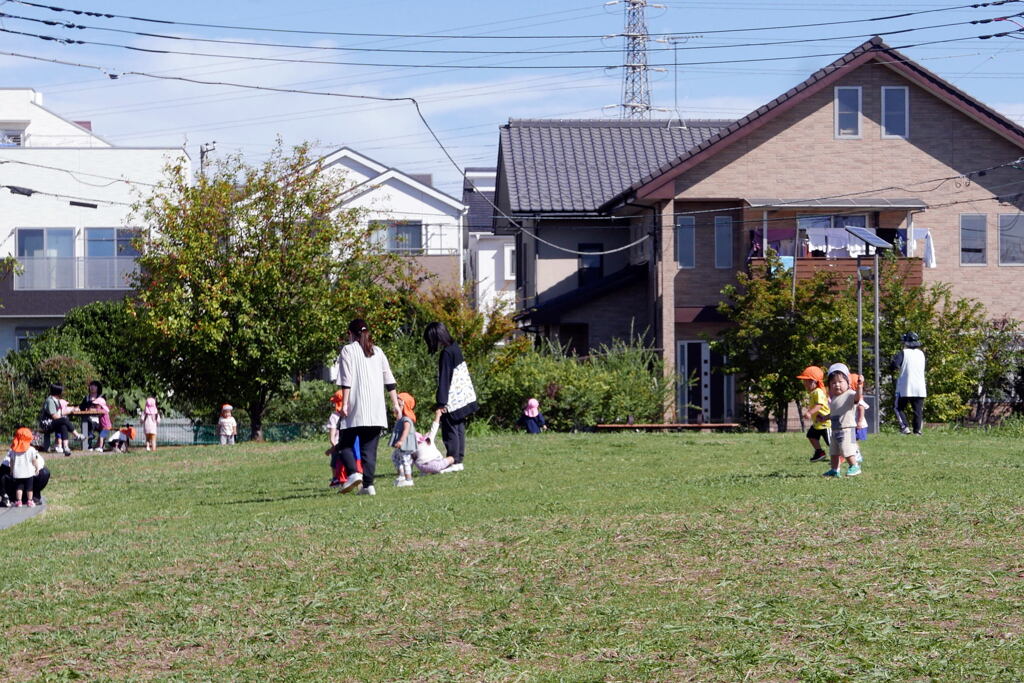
(911, 381)
(365, 378)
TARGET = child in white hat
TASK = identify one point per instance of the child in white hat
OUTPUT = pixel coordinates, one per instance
(843, 401)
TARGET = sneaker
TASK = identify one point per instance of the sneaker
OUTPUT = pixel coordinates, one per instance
(67, 452)
(818, 455)
(17, 503)
(832, 473)
(5, 502)
(448, 470)
(37, 501)
(353, 481)
(335, 483)
(367, 491)
(31, 504)
(905, 430)
(403, 482)
(457, 467)
(853, 471)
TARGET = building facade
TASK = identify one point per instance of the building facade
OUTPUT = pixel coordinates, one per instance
(490, 255)
(65, 207)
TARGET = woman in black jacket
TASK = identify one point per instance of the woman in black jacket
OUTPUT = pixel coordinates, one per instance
(456, 398)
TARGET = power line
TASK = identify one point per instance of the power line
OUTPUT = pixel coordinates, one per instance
(107, 15)
(74, 173)
(70, 41)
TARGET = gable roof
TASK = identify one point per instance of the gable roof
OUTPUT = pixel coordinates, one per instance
(578, 165)
(385, 173)
(873, 49)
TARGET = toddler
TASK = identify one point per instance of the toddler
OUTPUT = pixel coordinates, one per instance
(100, 403)
(119, 442)
(25, 464)
(817, 409)
(403, 439)
(150, 419)
(532, 420)
(843, 413)
(227, 428)
(428, 458)
(862, 412)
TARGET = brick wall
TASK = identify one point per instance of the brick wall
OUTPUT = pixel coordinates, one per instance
(798, 156)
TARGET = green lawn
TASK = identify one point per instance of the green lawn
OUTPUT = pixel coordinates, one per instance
(557, 557)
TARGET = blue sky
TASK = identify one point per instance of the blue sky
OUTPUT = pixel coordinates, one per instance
(465, 106)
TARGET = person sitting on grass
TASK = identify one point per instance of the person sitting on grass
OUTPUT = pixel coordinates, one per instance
(532, 420)
(122, 439)
(39, 481)
(817, 409)
(843, 413)
(428, 458)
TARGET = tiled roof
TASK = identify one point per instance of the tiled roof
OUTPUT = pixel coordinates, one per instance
(578, 165)
(875, 46)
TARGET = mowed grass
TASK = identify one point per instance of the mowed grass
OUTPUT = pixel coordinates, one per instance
(555, 557)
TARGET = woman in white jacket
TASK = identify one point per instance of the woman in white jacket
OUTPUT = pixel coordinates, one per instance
(364, 375)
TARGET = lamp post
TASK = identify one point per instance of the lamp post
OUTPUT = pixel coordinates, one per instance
(870, 240)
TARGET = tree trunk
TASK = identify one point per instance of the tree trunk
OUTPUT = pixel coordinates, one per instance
(782, 417)
(256, 409)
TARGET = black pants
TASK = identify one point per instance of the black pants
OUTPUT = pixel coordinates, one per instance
(368, 437)
(9, 485)
(915, 402)
(62, 428)
(454, 436)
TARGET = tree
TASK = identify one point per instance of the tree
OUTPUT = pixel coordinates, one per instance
(248, 278)
(774, 336)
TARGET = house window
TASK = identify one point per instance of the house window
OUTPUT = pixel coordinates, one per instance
(12, 137)
(23, 336)
(723, 241)
(591, 266)
(110, 255)
(47, 258)
(847, 108)
(895, 112)
(684, 241)
(510, 261)
(972, 239)
(1011, 239)
(404, 237)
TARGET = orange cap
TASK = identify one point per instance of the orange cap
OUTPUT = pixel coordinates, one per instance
(813, 373)
(408, 405)
(22, 440)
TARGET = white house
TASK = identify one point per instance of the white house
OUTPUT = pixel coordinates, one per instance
(415, 219)
(491, 257)
(65, 196)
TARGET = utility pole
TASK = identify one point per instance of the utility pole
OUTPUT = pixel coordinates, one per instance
(204, 150)
(636, 84)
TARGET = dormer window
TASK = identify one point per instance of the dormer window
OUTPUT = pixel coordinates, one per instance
(847, 112)
(12, 137)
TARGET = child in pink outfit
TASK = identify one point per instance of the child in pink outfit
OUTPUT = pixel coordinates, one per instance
(100, 403)
(150, 419)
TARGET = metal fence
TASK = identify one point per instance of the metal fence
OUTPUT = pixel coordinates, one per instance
(183, 432)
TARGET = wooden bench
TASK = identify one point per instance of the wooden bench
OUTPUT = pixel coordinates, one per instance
(666, 427)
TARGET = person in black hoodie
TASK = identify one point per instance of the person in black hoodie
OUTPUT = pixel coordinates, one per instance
(456, 398)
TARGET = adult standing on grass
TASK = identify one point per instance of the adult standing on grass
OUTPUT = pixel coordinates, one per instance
(456, 398)
(910, 386)
(364, 374)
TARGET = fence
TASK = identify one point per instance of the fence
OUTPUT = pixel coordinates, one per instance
(183, 432)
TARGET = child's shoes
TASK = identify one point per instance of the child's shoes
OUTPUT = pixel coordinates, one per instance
(17, 503)
(31, 504)
(853, 471)
(832, 473)
(818, 455)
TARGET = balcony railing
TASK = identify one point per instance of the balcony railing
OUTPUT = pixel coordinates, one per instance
(52, 273)
(842, 268)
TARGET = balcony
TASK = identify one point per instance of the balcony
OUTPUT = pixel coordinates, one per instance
(74, 273)
(843, 268)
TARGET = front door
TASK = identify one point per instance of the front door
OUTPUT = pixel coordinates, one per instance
(706, 394)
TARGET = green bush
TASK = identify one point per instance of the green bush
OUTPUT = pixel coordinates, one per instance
(309, 405)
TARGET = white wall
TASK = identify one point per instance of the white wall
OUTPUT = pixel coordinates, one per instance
(489, 253)
(22, 108)
(556, 269)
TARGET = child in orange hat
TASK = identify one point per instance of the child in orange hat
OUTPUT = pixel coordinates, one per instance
(25, 464)
(817, 410)
(403, 440)
(338, 474)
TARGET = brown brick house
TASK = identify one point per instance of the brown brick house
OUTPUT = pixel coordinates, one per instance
(872, 140)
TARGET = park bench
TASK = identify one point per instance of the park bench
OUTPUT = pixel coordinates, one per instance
(669, 426)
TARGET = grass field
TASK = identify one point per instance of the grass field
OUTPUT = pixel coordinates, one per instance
(557, 557)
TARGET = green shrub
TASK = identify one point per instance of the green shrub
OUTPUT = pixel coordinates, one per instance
(309, 405)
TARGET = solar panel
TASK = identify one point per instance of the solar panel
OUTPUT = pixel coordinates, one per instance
(868, 237)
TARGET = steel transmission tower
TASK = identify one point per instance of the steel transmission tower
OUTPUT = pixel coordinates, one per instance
(636, 85)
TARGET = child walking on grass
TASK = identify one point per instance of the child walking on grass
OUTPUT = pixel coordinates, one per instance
(150, 419)
(817, 411)
(843, 413)
(403, 440)
(227, 428)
